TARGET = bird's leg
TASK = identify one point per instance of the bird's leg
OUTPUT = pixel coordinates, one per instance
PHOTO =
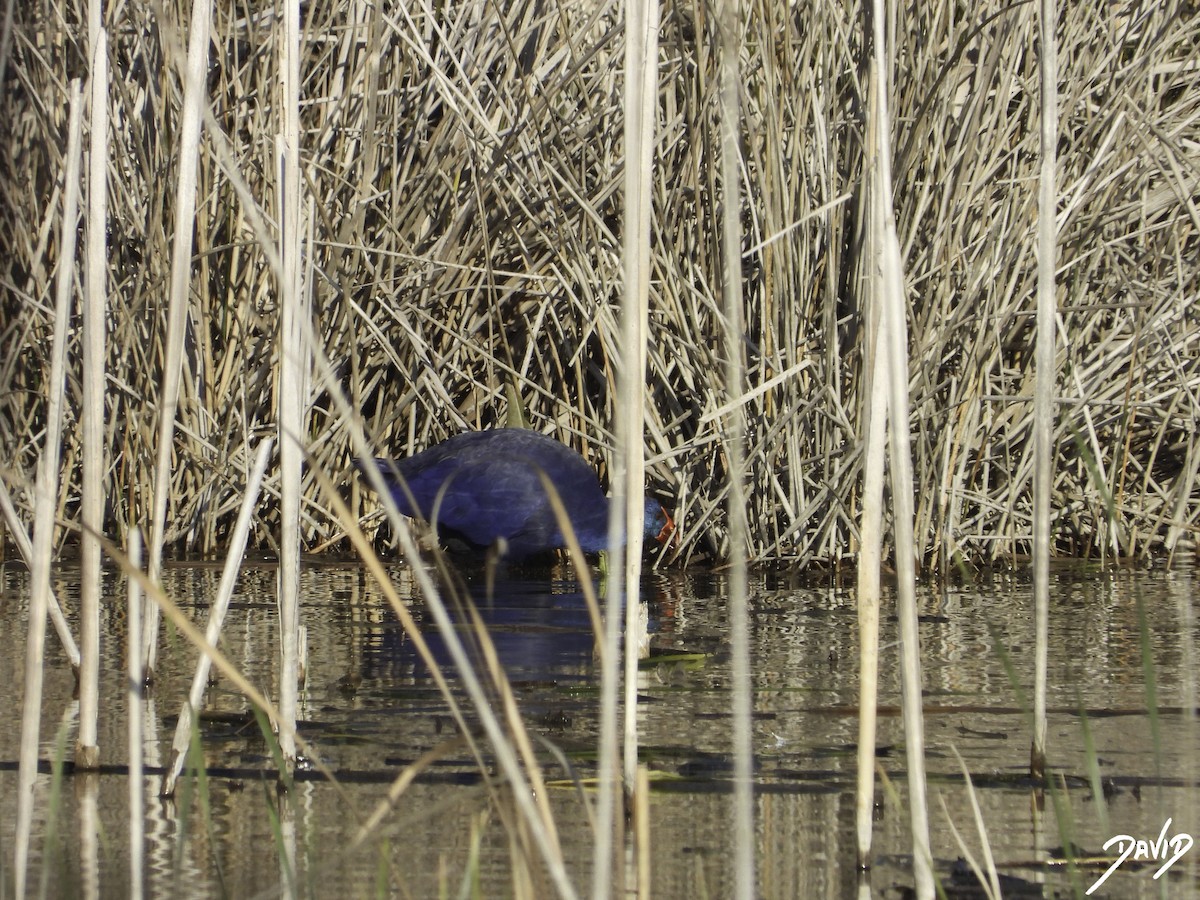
(495, 553)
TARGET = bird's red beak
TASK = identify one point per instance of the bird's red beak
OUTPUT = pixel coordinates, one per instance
(668, 530)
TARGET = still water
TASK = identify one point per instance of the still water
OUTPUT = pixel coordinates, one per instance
(1123, 680)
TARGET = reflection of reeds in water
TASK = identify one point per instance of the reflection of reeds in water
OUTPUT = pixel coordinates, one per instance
(450, 203)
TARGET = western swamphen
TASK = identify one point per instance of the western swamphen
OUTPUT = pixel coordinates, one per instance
(493, 495)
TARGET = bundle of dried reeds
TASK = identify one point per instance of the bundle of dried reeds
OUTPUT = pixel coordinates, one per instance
(463, 164)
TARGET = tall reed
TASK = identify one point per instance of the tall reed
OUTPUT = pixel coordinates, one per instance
(45, 490)
(742, 700)
(293, 373)
(884, 289)
(1045, 376)
(91, 413)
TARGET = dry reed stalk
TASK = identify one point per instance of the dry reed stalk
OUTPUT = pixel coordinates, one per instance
(375, 567)
(580, 563)
(292, 374)
(534, 814)
(991, 883)
(516, 732)
(888, 292)
(45, 491)
(729, 27)
(640, 93)
(894, 334)
(639, 89)
(181, 264)
(870, 558)
(91, 413)
(1045, 371)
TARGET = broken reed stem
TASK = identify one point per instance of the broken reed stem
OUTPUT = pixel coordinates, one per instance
(216, 618)
(195, 81)
(20, 536)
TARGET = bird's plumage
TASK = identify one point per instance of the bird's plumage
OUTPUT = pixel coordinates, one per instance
(485, 487)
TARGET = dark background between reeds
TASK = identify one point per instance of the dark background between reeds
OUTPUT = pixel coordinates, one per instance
(462, 167)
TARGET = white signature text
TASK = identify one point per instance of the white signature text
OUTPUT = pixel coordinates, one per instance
(1167, 849)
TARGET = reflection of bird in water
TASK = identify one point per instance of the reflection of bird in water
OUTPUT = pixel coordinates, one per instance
(541, 630)
(539, 635)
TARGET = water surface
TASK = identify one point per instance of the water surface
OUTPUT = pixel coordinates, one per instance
(370, 708)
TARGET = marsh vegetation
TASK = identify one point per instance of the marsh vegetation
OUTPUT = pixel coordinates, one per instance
(304, 235)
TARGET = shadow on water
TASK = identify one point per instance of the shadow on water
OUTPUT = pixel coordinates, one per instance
(370, 708)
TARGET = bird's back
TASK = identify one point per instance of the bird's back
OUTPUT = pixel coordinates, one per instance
(485, 485)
